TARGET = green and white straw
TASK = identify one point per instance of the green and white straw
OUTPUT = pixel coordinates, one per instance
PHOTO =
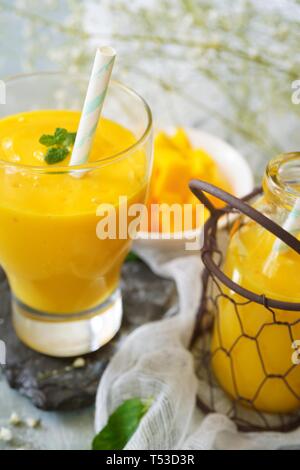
(95, 96)
(292, 225)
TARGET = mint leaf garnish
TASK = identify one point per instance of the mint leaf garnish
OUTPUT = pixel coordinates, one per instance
(70, 139)
(59, 144)
(132, 257)
(60, 137)
(47, 140)
(121, 425)
(56, 154)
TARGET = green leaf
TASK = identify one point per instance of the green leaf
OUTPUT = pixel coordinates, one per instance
(132, 257)
(60, 137)
(121, 425)
(70, 139)
(59, 144)
(56, 154)
(47, 140)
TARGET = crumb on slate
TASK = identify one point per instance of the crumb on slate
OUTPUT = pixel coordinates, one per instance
(15, 419)
(79, 362)
(32, 422)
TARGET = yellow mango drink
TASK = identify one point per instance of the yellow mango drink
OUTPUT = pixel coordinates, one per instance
(252, 345)
(64, 278)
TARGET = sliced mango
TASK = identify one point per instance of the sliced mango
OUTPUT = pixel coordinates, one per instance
(175, 163)
(181, 141)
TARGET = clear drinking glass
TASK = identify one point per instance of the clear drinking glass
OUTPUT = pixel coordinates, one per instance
(64, 279)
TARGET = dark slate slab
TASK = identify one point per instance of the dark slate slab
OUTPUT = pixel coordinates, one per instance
(54, 383)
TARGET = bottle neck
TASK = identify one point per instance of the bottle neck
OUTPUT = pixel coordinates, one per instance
(281, 182)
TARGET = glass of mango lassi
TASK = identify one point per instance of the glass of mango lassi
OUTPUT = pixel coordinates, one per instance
(64, 278)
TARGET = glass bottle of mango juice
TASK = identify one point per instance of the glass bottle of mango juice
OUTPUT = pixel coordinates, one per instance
(64, 277)
(252, 345)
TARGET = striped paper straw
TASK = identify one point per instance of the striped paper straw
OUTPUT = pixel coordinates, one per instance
(292, 225)
(95, 96)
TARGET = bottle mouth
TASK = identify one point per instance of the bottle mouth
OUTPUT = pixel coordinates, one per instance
(282, 178)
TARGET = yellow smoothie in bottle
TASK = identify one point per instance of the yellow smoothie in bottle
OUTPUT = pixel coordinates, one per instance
(49, 248)
(252, 345)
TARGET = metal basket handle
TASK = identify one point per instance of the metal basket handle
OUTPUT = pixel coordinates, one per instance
(198, 188)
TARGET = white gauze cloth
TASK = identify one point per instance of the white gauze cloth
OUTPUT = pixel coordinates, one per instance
(154, 362)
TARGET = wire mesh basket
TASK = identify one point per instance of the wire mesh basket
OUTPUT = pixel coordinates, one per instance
(218, 288)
